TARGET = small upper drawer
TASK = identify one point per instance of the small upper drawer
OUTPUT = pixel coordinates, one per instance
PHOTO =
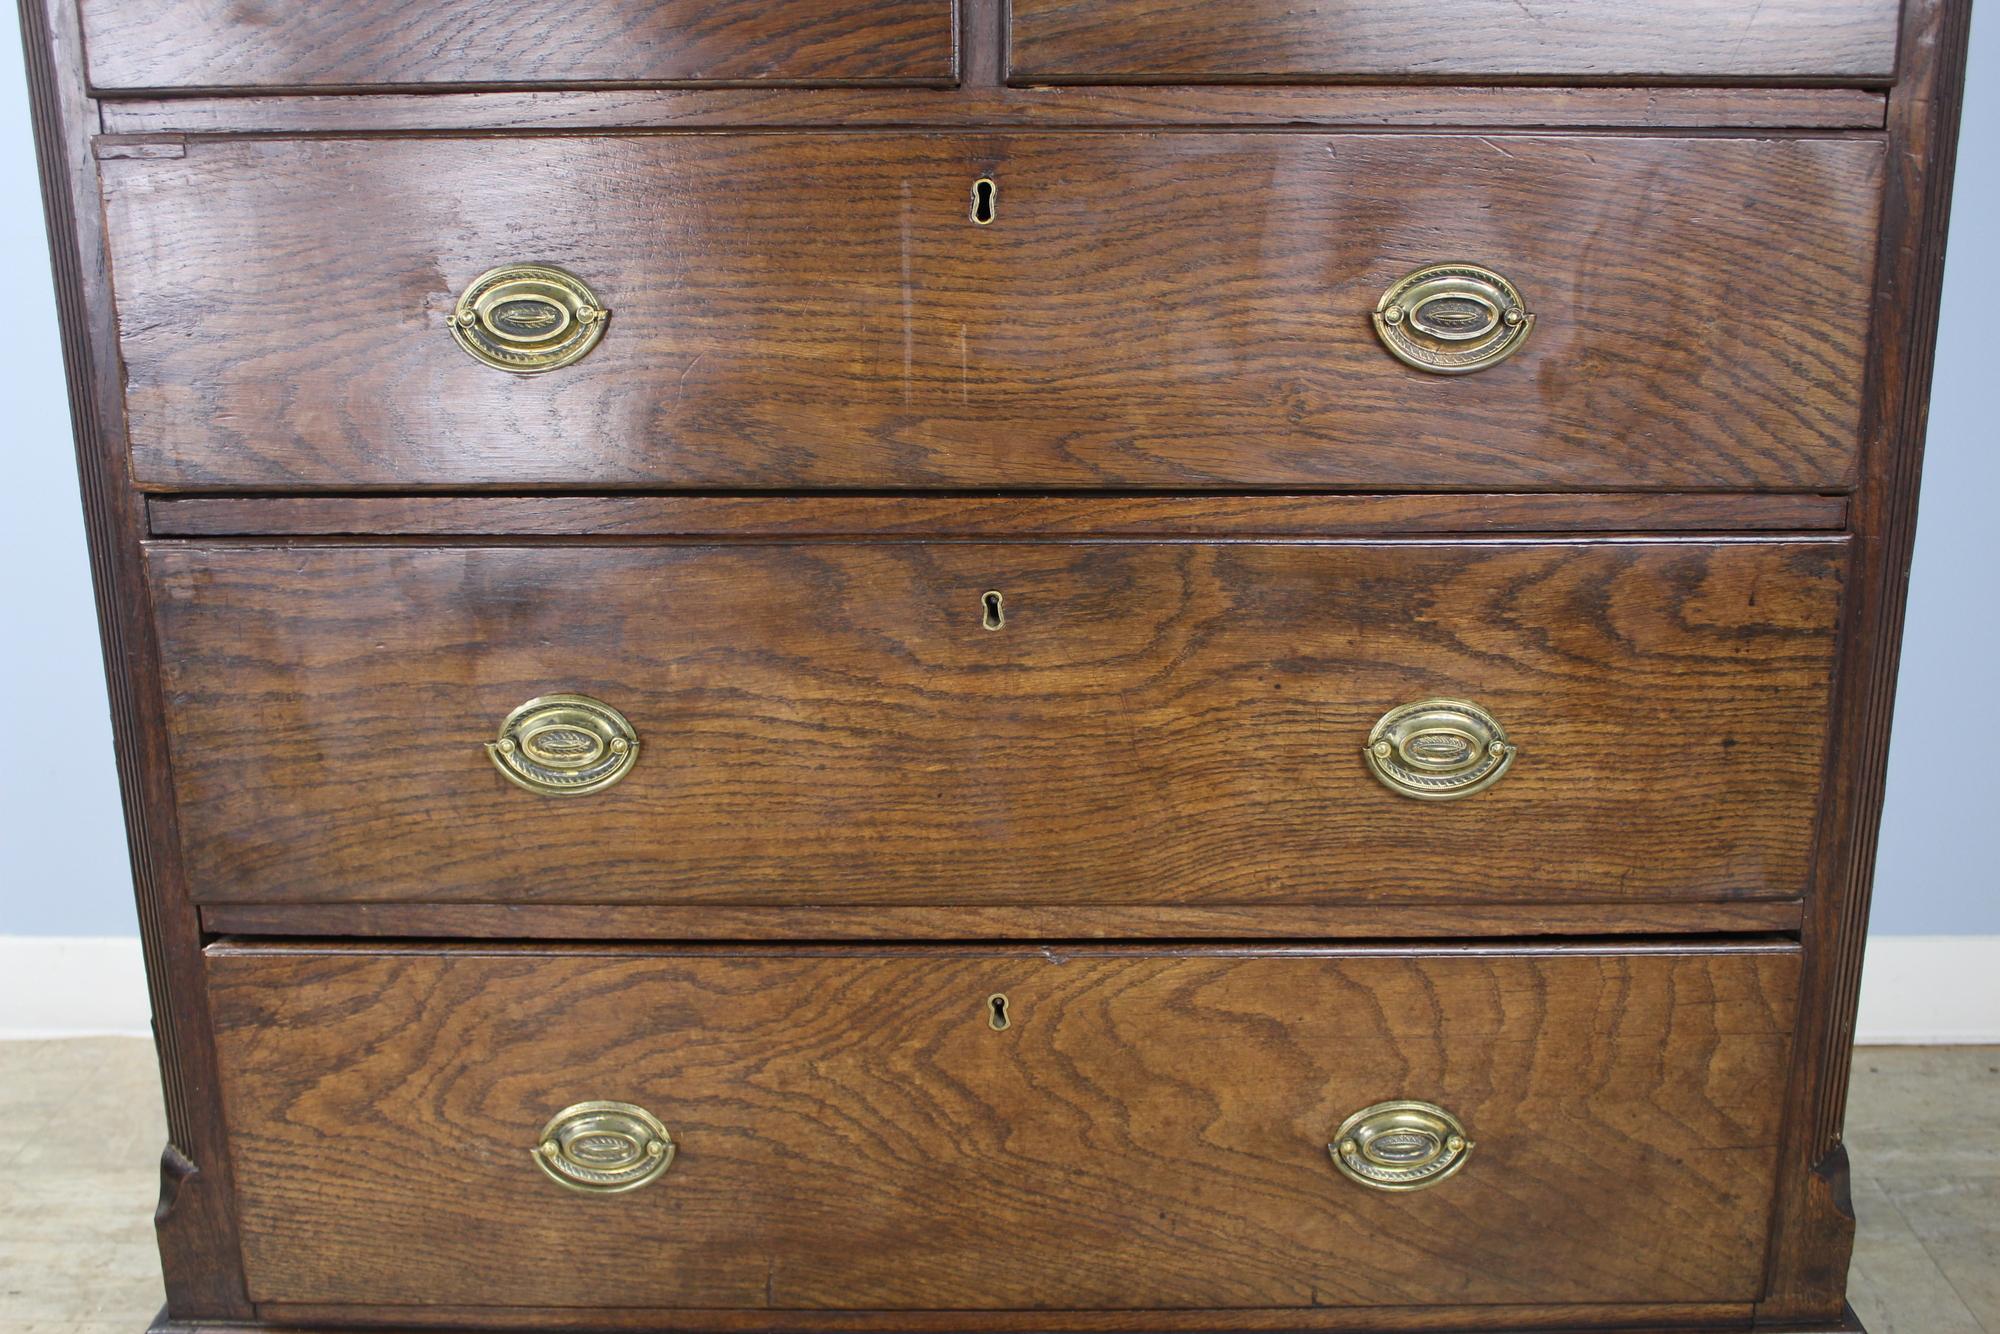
(1188, 310)
(1196, 41)
(141, 45)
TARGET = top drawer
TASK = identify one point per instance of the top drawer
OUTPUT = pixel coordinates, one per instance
(136, 45)
(1186, 41)
(1172, 311)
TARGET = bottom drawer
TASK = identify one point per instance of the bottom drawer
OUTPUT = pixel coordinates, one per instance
(1003, 1127)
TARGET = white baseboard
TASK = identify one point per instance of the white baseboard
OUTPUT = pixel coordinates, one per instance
(1914, 989)
(73, 987)
(1930, 991)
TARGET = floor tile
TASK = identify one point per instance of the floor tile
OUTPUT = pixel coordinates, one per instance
(1930, 1110)
(1895, 1286)
(1957, 1218)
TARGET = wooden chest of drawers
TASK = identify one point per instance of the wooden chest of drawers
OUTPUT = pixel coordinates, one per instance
(1069, 665)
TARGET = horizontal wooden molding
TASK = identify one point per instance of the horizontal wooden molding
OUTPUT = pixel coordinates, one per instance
(1023, 922)
(988, 516)
(1357, 107)
(1916, 990)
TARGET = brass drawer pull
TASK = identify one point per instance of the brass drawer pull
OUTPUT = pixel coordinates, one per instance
(528, 318)
(1452, 319)
(564, 746)
(1438, 750)
(601, 1148)
(1400, 1146)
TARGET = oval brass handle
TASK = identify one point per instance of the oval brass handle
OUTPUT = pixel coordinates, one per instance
(1452, 319)
(564, 746)
(528, 318)
(1400, 1146)
(602, 1148)
(1438, 750)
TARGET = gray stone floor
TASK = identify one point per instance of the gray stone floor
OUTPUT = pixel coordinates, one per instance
(79, 1173)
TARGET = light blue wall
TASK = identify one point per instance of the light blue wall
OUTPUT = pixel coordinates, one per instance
(62, 845)
(62, 841)
(1936, 871)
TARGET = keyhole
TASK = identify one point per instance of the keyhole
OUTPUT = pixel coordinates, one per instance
(995, 613)
(985, 201)
(997, 1018)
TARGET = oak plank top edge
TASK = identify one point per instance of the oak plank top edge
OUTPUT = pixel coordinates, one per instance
(964, 517)
(1330, 107)
(1401, 922)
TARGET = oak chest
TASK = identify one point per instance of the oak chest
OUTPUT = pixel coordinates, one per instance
(1069, 665)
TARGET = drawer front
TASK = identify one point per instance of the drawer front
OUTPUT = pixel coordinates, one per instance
(1189, 41)
(1149, 1130)
(999, 724)
(138, 45)
(1186, 310)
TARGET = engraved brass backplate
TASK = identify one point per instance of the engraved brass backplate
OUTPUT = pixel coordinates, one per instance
(528, 318)
(1400, 1146)
(602, 1148)
(1438, 750)
(1452, 319)
(564, 746)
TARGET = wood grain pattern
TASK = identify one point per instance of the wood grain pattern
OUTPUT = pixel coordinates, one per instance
(138, 45)
(1157, 723)
(1149, 1133)
(1815, 1229)
(1149, 311)
(195, 1222)
(982, 516)
(1191, 41)
(1618, 1318)
(738, 108)
(1363, 921)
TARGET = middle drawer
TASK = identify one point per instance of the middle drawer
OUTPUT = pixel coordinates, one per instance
(1059, 723)
(1168, 310)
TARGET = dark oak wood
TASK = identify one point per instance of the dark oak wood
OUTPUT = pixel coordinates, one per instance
(725, 108)
(1191, 41)
(196, 1219)
(1400, 921)
(1150, 1132)
(1622, 1318)
(141, 45)
(1815, 1232)
(1845, 1323)
(1156, 723)
(982, 516)
(1148, 311)
(1738, 290)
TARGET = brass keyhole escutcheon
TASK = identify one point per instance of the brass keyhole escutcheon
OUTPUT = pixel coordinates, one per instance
(985, 201)
(993, 610)
(996, 1012)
